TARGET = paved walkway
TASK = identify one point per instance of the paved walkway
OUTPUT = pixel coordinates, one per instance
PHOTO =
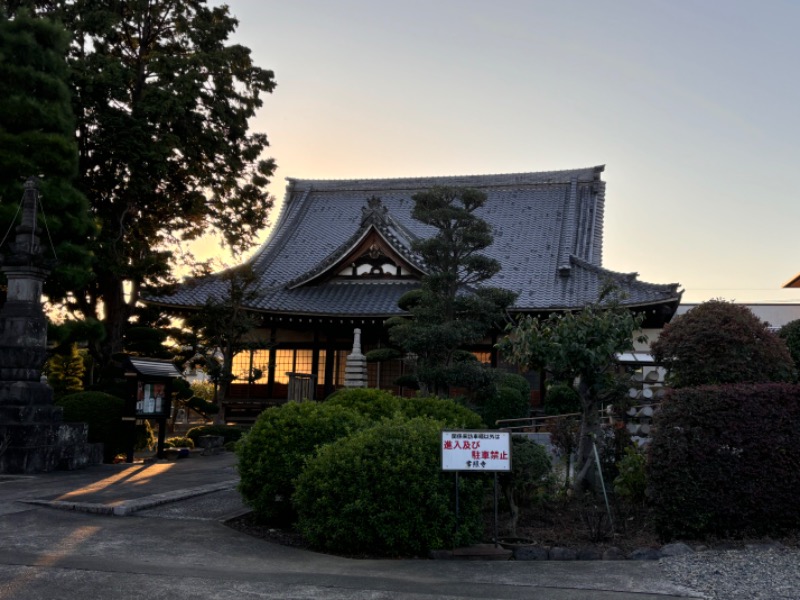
(156, 531)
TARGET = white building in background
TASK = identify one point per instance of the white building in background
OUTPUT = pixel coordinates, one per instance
(777, 315)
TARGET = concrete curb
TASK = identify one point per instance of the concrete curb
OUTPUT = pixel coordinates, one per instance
(129, 507)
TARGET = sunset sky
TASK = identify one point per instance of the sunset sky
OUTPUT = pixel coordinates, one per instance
(694, 108)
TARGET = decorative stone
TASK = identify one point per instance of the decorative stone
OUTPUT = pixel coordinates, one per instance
(559, 553)
(355, 371)
(531, 553)
(676, 549)
(613, 553)
(589, 553)
(645, 554)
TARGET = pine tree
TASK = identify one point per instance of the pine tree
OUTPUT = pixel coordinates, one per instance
(65, 372)
(37, 138)
(452, 309)
(163, 103)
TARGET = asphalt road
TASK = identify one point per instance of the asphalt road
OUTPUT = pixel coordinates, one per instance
(172, 544)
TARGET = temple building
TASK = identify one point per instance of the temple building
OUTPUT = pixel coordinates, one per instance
(340, 256)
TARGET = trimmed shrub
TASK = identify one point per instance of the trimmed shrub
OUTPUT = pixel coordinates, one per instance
(381, 490)
(372, 403)
(725, 461)
(448, 412)
(631, 482)
(144, 437)
(179, 442)
(518, 382)
(561, 399)
(790, 333)
(505, 403)
(231, 433)
(274, 451)
(103, 413)
(530, 480)
(720, 342)
(379, 404)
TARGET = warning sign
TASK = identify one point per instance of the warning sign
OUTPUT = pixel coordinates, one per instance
(476, 451)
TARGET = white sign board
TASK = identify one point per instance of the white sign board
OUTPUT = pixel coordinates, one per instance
(476, 451)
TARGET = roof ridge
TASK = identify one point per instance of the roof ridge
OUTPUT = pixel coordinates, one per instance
(631, 278)
(558, 176)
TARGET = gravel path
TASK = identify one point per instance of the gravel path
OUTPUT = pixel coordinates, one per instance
(755, 573)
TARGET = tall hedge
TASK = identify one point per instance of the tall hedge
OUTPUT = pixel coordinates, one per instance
(381, 490)
(274, 451)
(725, 461)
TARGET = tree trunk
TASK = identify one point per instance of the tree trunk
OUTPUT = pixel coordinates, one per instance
(117, 312)
(585, 465)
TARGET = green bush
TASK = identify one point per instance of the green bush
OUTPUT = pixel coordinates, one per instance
(631, 482)
(449, 412)
(724, 461)
(518, 382)
(531, 478)
(372, 403)
(378, 404)
(144, 437)
(103, 413)
(790, 333)
(561, 399)
(505, 403)
(231, 433)
(718, 343)
(381, 490)
(531, 470)
(202, 405)
(274, 451)
(179, 442)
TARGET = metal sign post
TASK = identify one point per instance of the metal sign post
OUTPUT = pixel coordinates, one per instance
(476, 451)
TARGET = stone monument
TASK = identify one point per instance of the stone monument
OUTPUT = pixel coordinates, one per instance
(33, 437)
(355, 370)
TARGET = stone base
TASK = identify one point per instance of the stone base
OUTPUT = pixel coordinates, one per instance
(27, 448)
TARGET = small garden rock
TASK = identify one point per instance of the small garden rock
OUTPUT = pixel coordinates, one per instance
(531, 553)
(645, 554)
(676, 549)
(589, 553)
(613, 553)
(559, 553)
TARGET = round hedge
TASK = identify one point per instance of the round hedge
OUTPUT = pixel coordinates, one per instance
(103, 413)
(381, 490)
(274, 451)
(448, 412)
(377, 404)
(374, 404)
(231, 433)
(505, 403)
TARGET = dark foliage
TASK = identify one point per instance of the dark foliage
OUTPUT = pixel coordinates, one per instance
(720, 342)
(453, 308)
(231, 433)
(505, 403)
(103, 413)
(790, 333)
(725, 461)
(275, 450)
(382, 491)
(561, 399)
(162, 103)
(37, 138)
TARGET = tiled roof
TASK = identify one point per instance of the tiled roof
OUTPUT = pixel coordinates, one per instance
(548, 237)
